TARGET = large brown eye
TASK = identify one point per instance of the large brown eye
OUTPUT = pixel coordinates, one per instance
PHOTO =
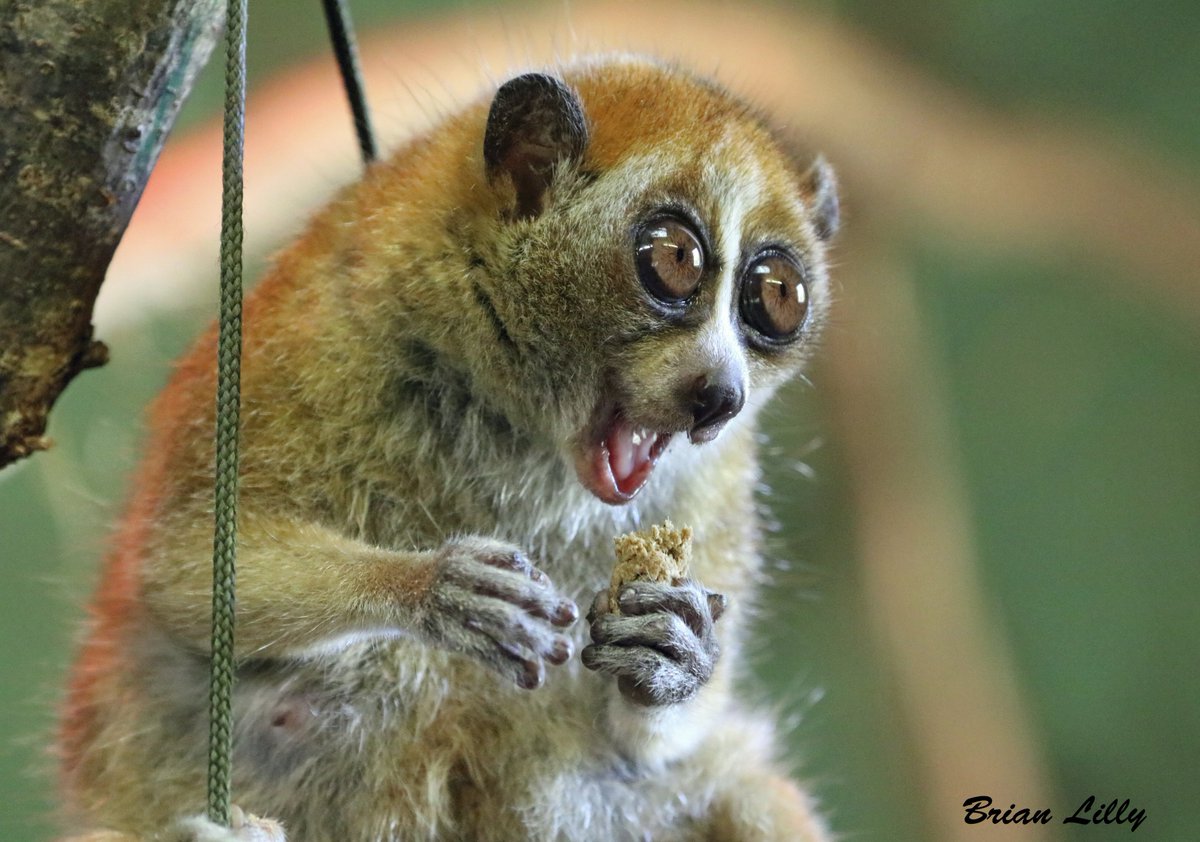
(774, 298)
(670, 259)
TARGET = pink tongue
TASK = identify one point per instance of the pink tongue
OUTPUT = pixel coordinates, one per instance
(629, 456)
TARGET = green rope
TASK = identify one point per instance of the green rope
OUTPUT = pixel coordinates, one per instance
(229, 363)
(229, 374)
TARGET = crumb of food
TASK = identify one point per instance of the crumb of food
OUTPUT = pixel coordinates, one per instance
(661, 553)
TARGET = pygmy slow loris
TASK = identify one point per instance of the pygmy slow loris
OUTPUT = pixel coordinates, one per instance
(552, 318)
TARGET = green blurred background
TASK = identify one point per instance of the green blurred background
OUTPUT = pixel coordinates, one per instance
(1073, 416)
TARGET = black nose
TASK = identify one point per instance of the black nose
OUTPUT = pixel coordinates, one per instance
(713, 404)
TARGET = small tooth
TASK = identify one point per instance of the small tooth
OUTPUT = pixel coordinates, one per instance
(636, 437)
(645, 447)
(622, 458)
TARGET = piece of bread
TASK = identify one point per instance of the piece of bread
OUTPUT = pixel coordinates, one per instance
(661, 553)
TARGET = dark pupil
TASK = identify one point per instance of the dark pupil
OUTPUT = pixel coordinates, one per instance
(781, 292)
(675, 268)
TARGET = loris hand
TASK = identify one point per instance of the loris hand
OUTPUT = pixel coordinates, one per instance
(661, 647)
(489, 601)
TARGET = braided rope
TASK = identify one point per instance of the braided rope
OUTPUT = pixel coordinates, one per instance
(341, 33)
(229, 365)
(229, 358)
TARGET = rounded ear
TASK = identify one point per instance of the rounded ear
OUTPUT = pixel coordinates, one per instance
(535, 122)
(821, 190)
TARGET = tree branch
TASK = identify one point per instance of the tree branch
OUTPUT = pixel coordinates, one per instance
(88, 93)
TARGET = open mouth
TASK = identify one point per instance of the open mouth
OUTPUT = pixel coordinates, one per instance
(616, 462)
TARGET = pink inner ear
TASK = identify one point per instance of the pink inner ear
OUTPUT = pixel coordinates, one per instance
(530, 187)
(530, 165)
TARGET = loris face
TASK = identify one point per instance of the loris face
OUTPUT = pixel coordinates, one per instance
(668, 259)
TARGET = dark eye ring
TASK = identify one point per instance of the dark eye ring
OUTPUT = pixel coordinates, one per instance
(774, 300)
(669, 258)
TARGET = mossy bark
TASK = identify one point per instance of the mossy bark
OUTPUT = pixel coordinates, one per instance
(89, 90)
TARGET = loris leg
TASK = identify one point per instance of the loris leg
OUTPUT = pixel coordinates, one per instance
(770, 808)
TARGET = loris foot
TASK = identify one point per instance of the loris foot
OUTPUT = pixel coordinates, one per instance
(488, 600)
(244, 827)
(661, 647)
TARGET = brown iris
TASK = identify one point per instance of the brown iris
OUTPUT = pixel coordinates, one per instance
(774, 297)
(670, 259)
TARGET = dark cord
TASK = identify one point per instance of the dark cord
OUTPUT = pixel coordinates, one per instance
(341, 33)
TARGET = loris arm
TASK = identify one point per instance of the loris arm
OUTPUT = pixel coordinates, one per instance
(302, 586)
(674, 650)
(663, 650)
(672, 690)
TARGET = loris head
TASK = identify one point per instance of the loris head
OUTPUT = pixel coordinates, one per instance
(655, 262)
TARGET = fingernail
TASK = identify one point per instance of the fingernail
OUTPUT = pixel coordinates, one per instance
(532, 677)
(566, 613)
(561, 652)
